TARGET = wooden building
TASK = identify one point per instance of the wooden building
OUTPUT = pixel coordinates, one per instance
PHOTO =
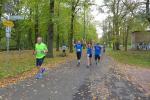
(140, 40)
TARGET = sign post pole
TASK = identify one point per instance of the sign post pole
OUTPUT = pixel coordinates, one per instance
(8, 35)
(8, 32)
(9, 24)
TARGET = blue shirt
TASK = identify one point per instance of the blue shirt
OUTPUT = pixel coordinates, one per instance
(78, 47)
(89, 50)
(97, 49)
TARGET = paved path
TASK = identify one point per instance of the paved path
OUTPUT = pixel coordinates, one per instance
(69, 82)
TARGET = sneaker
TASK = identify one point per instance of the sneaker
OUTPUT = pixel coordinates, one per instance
(43, 70)
(39, 76)
(87, 66)
(96, 63)
(78, 64)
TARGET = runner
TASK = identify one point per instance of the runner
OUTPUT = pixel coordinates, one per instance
(78, 46)
(40, 53)
(97, 49)
(64, 47)
(89, 54)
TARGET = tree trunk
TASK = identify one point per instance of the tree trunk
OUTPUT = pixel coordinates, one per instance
(71, 34)
(1, 3)
(84, 27)
(58, 36)
(147, 11)
(117, 41)
(51, 30)
(109, 43)
(126, 38)
(117, 27)
(46, 39)
(113, 33)
(30, 42)
(57, 41)
(18, 36)
(115, 10)
(71, 29)
(16, 27)
(123, 38)
(36, 25)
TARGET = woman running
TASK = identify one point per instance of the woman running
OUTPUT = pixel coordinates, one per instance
(89, 54)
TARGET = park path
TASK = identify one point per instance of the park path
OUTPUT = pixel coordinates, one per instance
(69, 82)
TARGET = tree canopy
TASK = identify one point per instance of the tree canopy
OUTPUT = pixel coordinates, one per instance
(57, 21)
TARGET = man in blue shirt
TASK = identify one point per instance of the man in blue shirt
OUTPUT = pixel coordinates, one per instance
(97, 49)
(78, 47)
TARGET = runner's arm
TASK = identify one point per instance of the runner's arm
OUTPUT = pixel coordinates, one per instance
(34, 50)
(84, 42)
(46, 49)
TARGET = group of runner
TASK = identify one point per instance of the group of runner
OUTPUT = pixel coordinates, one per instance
(41, 51)
(90, 50)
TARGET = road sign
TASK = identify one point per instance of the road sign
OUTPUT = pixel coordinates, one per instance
(8, 23)
(8, 7)
(16, 17)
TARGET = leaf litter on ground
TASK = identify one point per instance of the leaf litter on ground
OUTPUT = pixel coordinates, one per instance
(22, 66)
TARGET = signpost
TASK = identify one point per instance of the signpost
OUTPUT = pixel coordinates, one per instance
(9, 24)
(16, 17)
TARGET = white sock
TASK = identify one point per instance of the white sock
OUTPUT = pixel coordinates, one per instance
(78, 61)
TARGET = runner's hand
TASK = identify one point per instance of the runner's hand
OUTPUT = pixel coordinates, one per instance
(45, 51)
(34, 52)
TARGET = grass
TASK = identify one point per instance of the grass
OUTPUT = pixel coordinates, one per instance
(138, 58)
(17, 62)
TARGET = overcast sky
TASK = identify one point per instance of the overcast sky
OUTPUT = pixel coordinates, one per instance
(99, 17)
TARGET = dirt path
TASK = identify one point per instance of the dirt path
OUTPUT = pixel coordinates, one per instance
(69, 82)
(139, 76)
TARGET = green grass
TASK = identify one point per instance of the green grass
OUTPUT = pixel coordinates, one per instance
(138, 58)
(16, 62)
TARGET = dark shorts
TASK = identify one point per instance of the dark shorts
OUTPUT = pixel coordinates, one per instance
(64, 51)
(97, 57)
(39, 62)
(89, 55)
(79, 55)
